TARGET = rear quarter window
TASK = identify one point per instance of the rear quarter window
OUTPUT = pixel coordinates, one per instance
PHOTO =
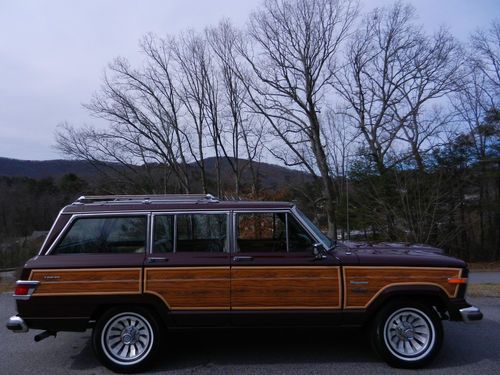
(88, 235)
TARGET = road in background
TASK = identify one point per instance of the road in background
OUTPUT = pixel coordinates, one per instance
(482, 277)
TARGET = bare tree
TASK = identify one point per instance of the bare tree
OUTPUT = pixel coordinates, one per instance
(379, 62)
(435, 72)
(392, 75)
(341, 147)
(241, 132)
(198, 93)
(143, 111)
(294, 44)
(222, 40)
(477, 103)
(114, 157)
(486, 57)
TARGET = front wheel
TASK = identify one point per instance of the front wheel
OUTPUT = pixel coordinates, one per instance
(126, 339)
(407, 335)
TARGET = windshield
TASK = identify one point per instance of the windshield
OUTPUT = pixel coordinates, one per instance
(327, 241)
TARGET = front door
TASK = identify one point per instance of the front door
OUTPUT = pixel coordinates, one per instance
(273, 267)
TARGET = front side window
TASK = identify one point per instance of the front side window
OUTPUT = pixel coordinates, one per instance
(104, 235)
(329, 243)
(190, 233)
(271, 232)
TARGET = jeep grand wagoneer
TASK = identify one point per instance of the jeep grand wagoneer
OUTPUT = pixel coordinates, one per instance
(131, 267)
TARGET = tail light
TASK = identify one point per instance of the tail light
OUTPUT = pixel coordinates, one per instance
(24, 289)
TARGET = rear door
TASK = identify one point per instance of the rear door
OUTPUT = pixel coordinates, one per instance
(188, 265)
(273, 268)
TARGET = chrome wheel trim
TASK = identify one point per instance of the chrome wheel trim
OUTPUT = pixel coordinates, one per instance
(409, 334)
(127, 338)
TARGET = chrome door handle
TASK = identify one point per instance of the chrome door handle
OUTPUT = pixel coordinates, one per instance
(243, 259)
(157, 259)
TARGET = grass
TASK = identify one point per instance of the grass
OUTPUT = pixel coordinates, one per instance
(6, 286)
(484, 266)
(483, 290)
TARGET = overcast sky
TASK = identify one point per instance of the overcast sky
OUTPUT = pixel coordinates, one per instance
(53, 53)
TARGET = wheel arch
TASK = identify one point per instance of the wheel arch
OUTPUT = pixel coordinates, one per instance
(151, 302)
(429, 295)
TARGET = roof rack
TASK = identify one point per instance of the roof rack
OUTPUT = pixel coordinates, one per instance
(146, 199)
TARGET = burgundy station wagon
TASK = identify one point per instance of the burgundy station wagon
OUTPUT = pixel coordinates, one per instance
(132, 267)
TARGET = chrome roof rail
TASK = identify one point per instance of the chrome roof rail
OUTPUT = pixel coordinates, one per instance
(147, 199)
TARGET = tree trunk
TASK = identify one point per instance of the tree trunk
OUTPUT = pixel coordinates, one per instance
(328, 186)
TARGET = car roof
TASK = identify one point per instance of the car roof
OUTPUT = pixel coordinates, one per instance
(168, 202)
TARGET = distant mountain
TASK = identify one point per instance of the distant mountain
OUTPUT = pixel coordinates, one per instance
(270, 175)
(44, 168)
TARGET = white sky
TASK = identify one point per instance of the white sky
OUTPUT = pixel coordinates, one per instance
(53, 53)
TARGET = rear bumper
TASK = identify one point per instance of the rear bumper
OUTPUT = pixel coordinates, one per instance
(471, 314)
(17, 324)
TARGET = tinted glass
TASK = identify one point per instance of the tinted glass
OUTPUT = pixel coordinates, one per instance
(194, 233)
(271, 232)
(201, 232)
(163, 234)
(261, 226)
(315, 229)
(105, 235)
(298, 239)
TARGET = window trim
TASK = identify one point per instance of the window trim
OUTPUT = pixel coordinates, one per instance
(75, 217)
(188, 212)
(231, 223)
(287, 211)
(52, 228)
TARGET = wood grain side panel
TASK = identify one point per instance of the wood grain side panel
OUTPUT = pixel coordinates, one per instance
(190, 288)
(285, 288)
(363, 284)
(55, 282)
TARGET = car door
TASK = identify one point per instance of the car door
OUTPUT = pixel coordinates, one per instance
(188, 265)
(273, 268)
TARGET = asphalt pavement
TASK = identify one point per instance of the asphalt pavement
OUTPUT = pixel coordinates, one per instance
(467, 349)
(481, 277)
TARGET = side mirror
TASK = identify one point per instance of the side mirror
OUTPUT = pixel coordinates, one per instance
(319, 251)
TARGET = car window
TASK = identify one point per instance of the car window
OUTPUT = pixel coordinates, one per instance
(190, 233)
(298, 238)
(271, 232)
(104, 235)
(261, 226)
(163, 234)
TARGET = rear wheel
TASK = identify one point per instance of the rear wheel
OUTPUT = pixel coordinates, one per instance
(407, 334)
(126, 339)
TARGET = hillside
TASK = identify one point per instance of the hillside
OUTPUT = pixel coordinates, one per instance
(44, 168)
(270, 175)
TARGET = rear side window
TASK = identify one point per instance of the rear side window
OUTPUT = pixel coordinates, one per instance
(190, 233)
(104, 235)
